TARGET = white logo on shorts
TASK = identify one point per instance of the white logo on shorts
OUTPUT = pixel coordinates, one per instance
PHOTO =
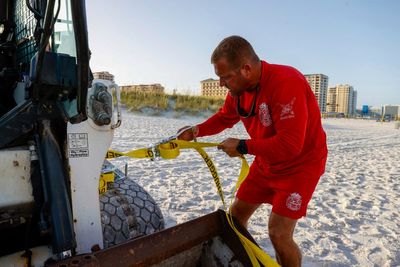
(293, 202)
(265, 117)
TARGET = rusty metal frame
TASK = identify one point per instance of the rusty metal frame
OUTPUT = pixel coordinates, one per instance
(152, 249)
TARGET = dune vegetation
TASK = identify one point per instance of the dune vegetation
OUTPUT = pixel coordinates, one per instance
(157, 104)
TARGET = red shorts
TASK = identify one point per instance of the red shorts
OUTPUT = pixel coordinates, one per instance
(289, 195)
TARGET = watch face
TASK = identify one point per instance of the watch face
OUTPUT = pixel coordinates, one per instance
(242, 148)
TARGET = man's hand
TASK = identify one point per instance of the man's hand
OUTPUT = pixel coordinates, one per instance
(189, 134)
(229, 147)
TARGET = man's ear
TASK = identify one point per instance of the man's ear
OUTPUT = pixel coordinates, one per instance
(246, 70)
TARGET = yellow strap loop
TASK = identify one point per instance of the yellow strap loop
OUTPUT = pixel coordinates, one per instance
(171, 150)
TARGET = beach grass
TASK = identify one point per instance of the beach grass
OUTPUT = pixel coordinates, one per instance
(180, 104)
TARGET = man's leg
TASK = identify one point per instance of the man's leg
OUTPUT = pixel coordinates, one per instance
(281, 231)
(243, 210)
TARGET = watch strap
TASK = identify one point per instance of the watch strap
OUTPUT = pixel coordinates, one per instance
(242, 147)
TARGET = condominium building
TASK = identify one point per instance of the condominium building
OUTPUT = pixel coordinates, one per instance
(391, 111)
(103, 75)
(155, 88)
(319, 86)
(342, 99)
(211, 88)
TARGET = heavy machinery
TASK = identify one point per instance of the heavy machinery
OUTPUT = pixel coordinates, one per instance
(56, 125)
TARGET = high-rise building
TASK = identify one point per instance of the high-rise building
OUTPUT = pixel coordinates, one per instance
(331, 105)
(319, 86)
(353, 102)
(342, 99)
(211, 88)
(103, 75)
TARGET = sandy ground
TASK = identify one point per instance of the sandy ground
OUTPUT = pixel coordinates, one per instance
(353, 218)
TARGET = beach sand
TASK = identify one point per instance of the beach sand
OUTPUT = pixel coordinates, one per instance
(353, 218)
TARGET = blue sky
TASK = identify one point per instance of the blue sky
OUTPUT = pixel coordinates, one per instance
(170, 42)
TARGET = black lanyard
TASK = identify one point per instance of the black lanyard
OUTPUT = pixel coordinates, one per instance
(242, 113)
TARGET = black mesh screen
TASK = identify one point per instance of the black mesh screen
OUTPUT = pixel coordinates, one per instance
(25, 27)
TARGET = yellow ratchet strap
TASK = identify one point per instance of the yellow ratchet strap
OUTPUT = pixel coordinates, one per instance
(171, 150)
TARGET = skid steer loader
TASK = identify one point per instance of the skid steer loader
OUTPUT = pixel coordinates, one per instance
(56, 125)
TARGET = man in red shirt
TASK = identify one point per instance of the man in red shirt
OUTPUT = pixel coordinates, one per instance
(281, 115)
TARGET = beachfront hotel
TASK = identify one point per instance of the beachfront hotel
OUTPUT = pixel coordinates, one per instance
(319, 86)
(155, 88)
(103, 75)
(341, 99)
(211, 88)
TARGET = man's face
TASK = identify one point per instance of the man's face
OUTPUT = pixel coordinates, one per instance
(230, 78)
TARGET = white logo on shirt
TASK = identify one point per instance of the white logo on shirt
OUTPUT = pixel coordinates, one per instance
(265, 117)
(293, 202)
(287, 110)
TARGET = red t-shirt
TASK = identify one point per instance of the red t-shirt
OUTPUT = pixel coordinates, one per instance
(286, 132)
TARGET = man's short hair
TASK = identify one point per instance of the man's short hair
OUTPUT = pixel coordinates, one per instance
(236, 50)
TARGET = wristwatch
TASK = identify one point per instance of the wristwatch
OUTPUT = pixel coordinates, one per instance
(242, 147)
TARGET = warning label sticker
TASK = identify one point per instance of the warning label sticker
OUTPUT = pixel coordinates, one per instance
(78, 145)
